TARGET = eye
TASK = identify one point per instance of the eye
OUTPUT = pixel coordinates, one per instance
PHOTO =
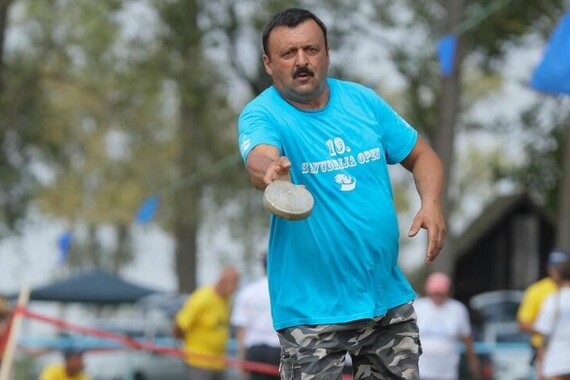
(288, 54)
(312, 50)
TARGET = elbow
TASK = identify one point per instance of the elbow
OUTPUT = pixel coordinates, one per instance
(177, 331)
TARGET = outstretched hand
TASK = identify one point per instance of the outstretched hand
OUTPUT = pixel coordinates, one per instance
(431, 219)
(278, 170)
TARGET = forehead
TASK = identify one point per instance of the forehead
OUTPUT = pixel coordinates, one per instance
(306, 33)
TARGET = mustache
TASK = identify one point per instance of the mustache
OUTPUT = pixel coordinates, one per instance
(302, 70)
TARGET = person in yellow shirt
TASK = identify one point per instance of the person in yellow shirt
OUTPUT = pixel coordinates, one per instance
(531, 303)
(70, 369)
(203, 324)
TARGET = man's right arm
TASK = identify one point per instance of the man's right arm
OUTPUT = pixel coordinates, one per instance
(184, 319)
(264, 165)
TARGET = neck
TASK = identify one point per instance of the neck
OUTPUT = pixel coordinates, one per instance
(316, 102)
(313, 105)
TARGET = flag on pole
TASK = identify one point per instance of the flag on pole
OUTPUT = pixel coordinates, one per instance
(64, 245)
(552, 75)
(147, 210)
(446, 52)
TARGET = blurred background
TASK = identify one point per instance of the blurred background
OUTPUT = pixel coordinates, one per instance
(118, 144)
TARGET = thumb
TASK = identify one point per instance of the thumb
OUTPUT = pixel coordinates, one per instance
(415, 228)
(282, 165)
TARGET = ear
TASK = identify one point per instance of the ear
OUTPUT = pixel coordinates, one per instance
(267, 63)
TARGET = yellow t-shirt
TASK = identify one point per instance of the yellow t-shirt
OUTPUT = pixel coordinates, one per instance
(204, 320)
(532, 300)
(57, 372)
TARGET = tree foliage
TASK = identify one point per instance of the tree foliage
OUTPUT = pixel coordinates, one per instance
(19, 111)
(104, 103)
(101, 143)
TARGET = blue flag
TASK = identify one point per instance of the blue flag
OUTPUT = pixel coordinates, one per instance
(552, 75)
(446, 52)
(147, 209)
(64, 244)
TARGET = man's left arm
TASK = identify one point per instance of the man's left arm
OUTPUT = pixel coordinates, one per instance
(472, 358)
(427, 170)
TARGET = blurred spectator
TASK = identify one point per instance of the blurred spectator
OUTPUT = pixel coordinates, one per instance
(443, 322)
(70, 369)
(257, 340)
(203, 324)
(553, 322)
(530, 306)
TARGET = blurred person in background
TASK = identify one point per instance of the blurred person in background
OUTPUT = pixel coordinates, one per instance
(553, 322)
(203, 324)
(257, 340)
(530, 306)
(443, 322)
(70, 369)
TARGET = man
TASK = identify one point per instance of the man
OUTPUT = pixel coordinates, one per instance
(71, 369)
(257, 340)
(531, 304)
(203, 324)
(443, 322)
(334, 280)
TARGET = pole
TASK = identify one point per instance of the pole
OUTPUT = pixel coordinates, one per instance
(563, 227)
(13, 334)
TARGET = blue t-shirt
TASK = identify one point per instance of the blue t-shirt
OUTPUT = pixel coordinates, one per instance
(341, 263)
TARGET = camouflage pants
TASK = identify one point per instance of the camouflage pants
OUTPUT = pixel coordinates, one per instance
(384, 348)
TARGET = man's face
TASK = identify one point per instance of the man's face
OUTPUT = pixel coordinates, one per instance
(74, 364)
(297, 60)
(228, 282)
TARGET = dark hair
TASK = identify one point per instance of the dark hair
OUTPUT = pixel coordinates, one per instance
(73, 351)
(290, 17)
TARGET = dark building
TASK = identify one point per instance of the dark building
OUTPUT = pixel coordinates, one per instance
(506, 247)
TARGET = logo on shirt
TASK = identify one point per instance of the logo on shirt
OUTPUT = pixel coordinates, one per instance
(245, 143)
(346, 182)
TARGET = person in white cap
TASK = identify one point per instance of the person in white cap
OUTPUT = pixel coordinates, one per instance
(443, 322)
(553, 322)
(531, 304)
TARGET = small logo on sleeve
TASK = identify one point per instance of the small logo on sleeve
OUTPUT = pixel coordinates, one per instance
(245, 143)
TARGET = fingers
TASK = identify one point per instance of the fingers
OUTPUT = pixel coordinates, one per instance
(436, 239)
(282, 166)
(415, 228)
(436, 234)
(278, 170)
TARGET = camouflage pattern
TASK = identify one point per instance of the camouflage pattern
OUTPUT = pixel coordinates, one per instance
(386, 347)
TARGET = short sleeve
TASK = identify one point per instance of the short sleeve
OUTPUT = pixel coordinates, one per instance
(398, 136)
(528, 308)
(186, 317)
(239, 313)
(545, 322)
(464, 321)
(256, 126)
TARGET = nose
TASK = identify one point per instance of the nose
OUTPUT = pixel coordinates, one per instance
(302, 58)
